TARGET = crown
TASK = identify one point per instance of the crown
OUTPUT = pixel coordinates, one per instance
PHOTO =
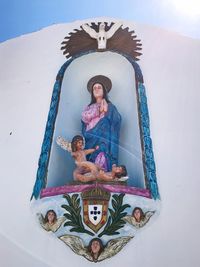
(96, 194)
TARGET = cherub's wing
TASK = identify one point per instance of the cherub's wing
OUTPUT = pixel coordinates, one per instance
(113, 29)
(61, 219)
(130, 219)
(113, 247)
(90, 31)
(148, 215)
(40, 218)
(44, 225)
(57, 224)
(66, 145)
(123, 178)
(76, 244)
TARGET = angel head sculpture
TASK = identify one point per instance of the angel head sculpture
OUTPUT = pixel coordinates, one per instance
(138, 218)
(95, 248)
(95, 251)
(50, 222)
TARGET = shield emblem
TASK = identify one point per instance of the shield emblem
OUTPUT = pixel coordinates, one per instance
(95, 213)
(95, 208)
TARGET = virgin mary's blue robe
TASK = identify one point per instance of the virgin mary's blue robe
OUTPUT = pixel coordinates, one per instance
(104, 134)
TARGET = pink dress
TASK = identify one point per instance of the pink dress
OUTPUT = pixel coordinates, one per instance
(91, 116)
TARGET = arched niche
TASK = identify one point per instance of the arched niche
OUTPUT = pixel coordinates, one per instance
(74, 97)
(70, 96)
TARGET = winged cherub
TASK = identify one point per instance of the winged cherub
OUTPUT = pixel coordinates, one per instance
(50, 222)
(138, 218)
(76, 148)
(102, 36)
(95, 251)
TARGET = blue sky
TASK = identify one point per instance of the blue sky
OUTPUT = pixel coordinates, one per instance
(19, 17)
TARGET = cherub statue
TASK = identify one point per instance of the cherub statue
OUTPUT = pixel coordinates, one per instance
(138, 218)
(102, 36)
(87, 171)
(95, 251)
(50, 222)
(84, 167)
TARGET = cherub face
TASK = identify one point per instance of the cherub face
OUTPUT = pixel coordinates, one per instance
(79, 145)
(50, 217)
(95, 246)
(137, 215)
(116, 169)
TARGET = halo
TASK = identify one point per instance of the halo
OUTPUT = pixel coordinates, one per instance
(100, 79)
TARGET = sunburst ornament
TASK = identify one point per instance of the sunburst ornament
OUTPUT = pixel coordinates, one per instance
(88, 39)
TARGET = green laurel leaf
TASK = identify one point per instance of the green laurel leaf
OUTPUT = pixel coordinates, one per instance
(115, 221)
(73, 214)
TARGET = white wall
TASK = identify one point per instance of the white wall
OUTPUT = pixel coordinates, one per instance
(170, 65)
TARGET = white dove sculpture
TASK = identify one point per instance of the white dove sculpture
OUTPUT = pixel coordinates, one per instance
(102, 36)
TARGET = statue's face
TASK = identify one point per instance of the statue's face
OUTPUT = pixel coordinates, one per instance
(137, 215)
(51, 217)
(79, 145)
(95, 246)
(97, 90)
(116, 169)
